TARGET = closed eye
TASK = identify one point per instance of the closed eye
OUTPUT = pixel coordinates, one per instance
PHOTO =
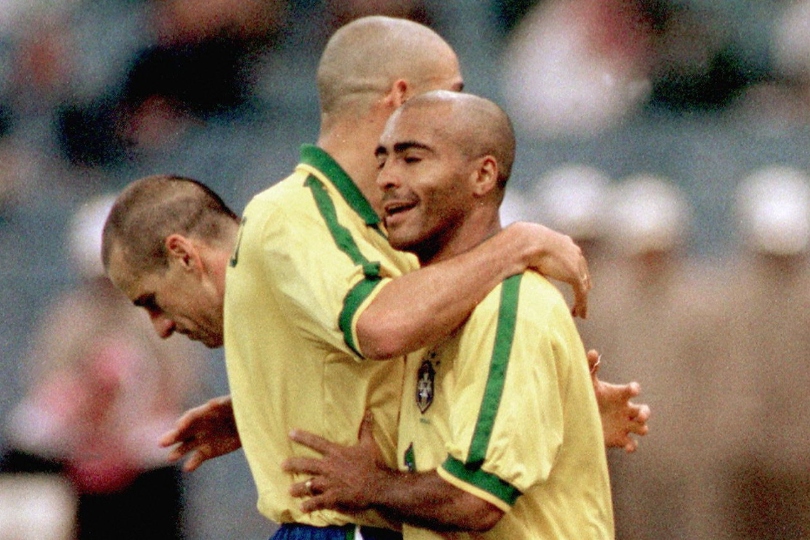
(381, 154)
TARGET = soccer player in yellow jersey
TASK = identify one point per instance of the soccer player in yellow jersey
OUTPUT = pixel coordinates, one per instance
(500, 434)
(314, 291)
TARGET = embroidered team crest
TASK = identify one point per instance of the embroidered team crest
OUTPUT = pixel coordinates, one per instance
(424, 384)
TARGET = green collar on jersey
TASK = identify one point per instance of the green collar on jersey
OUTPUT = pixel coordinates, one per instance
(316, 157)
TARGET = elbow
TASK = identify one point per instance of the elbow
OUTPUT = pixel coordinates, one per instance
(480, 515)
(379, 347)
(378, 338)
(485, 520)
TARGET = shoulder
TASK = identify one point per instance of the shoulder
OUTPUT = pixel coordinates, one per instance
(527, 288)
(287, 189)
(535, 287)
(527, 301)
(289, 200)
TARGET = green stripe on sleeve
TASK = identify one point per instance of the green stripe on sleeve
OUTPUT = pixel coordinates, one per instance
(504, 335)
(351, 304)
(340, 234)
(345, 242)
(488, 482)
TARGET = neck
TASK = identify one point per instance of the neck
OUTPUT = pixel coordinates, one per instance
(351, 143)
(478, 226)
(217, 256)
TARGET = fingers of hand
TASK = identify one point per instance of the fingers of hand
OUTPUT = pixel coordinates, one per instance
(169, 438)
(580, 309)
(302, 465)
(174, 455)
(317, 502)
(581, 303)
(626, 391)
(189, 445)
(639, 425)
(585, 283)
(319, 444)
(643, 414)
(191, 419)
(299, 489)
(194, 462)
(308, 488)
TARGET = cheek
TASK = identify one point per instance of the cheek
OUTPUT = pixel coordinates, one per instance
(446, 197)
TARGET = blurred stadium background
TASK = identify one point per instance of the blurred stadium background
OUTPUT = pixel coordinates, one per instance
(701, 95)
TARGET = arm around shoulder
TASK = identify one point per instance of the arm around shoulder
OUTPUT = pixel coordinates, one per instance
(425, 306)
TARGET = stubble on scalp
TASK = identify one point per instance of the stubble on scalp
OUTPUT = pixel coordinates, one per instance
(152, 208)
(477, 125)
(364, 58)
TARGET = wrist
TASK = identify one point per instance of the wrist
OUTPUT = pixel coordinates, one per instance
(524, 246)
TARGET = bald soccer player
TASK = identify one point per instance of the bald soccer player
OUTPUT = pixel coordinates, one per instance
(499, 432)
(167, 243)
(314, 290)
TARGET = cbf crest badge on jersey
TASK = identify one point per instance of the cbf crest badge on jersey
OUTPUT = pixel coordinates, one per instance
(424, 383)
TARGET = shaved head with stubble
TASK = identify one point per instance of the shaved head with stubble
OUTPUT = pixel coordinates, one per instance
(476, 125)
(444, 159)
(368, 69)
(366, 57)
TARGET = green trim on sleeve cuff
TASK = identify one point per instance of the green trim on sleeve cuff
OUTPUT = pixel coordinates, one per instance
(483, 480)
(351, 304)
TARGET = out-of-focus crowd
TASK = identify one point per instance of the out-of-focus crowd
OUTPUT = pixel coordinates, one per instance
(668, 137)
(718, 344)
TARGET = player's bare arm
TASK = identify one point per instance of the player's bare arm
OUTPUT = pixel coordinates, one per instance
(352, 479)
(424, 306)
(621, 418)
(203, 433)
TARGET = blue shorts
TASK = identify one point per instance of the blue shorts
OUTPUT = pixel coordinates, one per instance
(298, 531)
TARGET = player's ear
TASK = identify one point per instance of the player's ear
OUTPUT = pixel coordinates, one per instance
(398, 93)
(484, 177)
(182, 251)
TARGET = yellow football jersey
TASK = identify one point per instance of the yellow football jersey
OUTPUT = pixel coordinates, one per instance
(309, 257)
(505, 409)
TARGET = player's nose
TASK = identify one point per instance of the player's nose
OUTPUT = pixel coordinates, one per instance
(387, 178)
(163, 325)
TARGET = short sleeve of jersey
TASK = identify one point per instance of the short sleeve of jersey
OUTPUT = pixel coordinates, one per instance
(324, 263)
(506, 420)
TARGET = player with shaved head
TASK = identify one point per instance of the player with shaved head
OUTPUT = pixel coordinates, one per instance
(499, 431)
(314, 293)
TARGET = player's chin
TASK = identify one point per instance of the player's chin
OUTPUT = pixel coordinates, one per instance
(210, 341)
(399, 239)
(215, 343)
